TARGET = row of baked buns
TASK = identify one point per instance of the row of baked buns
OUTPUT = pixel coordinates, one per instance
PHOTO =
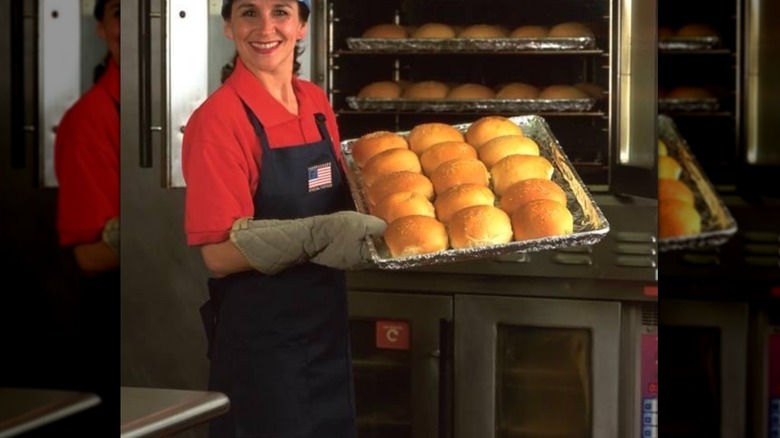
(677, 214)
(688, 30)
(436, 30)
(442, 90)
(685, 92)
(440, 188)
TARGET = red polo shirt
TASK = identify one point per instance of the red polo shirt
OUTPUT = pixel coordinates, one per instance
(86, 162)
(221, 152)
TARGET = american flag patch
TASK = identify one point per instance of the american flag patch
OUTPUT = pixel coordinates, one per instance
(320, 177)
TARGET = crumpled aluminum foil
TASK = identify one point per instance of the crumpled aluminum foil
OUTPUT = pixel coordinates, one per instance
(688, 43)
(688, 105)
(590, 224)
(426, 45)
(471, 105)
(718, 225)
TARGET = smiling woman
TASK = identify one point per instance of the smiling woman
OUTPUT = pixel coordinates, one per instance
(263, 149)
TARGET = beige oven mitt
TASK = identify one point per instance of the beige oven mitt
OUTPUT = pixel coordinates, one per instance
(338, 240)
(110, 235)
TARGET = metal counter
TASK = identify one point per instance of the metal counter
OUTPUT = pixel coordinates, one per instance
(23, 409)
(152, 412)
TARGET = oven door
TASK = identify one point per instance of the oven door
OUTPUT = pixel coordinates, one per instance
(399, 355)
(703, 351)
(536, 367)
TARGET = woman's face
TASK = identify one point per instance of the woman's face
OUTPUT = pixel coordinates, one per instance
(108, 29)
(265, 33)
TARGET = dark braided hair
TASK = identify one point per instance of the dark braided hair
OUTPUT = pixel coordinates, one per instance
(303, 15)
(99, 12)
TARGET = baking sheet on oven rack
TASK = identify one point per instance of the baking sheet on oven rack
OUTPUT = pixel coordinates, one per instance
(476, 105)
(717, 223)
(590, 224)
(688, 43)
(688, 105)
(427, 45)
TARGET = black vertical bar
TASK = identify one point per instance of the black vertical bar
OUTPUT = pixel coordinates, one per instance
(446, 374)
(144, 82)
(18, 152)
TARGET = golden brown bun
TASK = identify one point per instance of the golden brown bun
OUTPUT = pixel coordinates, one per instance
(563, 92)
(434, 30)
(461, 196)
(426, 90)
(414, 235)
(445, 151)
(696, 30)
(375, 142)
(386, 30)
(570, 30)
(405, 203)
(528, 190)
(381, 90)
(471, 91)
(677, 218)
(518, 90)
(662, 149)
(482, 31)
(494, 150)
(674, 189)
(457, 172)
(490, 127)
(515, 168)
(688, 92)
(425, 135)
(668, 167)
(665, 32)
(542, 218)
(387, 162)
(399, 182)
(479, 225)
(530, 31)
(591, 89)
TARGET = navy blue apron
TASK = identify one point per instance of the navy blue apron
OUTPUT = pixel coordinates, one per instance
(280, 348)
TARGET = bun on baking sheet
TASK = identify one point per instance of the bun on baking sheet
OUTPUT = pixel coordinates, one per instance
(517, 90)
(386, 30)
(668, 167)
(482, 31)
(375, 142)
(662, 149)
(387, 162)
(515, 168)
(499, 147)
(562, 92)
(529, 31)
(460, 171)
(398, 182)
(426, 90)
(696, 30)
(471, 91)
(688, 92)
(440, 153)
(593, 90)
(570, 30)
(665, 32)
(479, 225)
(434, 30)
(459, 197)
(425, 135)
(381, 90)
(525, 191)
(404, 203)
(677, 218)
(415, 235)
(489, 127)
(541, 218)
(674, 189)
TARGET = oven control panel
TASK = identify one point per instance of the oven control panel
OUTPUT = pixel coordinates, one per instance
(649, 388)
(774, 383)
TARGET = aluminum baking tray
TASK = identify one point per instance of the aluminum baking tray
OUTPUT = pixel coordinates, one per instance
(718, 225)
(428, 45)
(475, 105)
(590, 224)
(688, 43)
(688, 105)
